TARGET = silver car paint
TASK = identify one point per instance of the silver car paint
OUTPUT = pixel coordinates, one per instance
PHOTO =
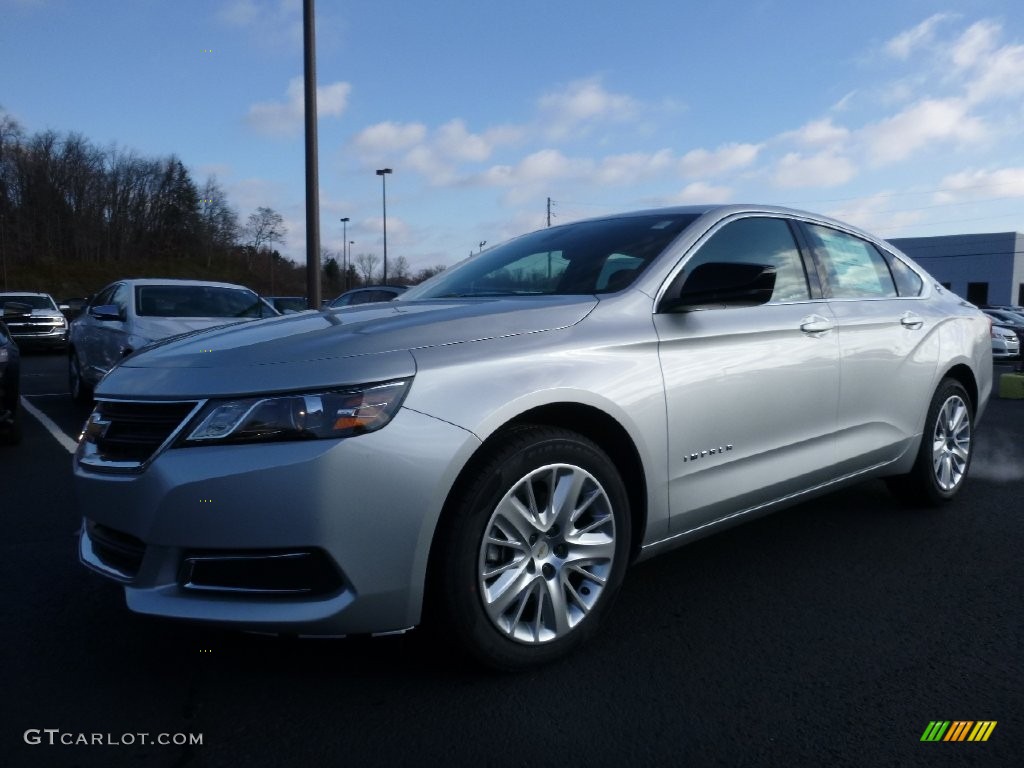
(786, 400)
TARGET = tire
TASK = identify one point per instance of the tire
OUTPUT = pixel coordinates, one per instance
(81, 392)
(947, 446)
(522, 582)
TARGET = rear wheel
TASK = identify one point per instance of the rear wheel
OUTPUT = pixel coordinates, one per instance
(947, 447)
(535, 548)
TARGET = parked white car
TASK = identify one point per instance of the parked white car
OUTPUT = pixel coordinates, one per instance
(131, 314)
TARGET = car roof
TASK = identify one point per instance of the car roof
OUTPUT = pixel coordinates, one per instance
(722, 210)
(24, 293)
(138, 281)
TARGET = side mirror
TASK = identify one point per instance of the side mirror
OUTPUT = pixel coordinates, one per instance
(106, 312)
(15, 310)
(720, 285)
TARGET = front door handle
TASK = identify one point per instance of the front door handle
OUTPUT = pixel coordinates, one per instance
(911, 322)
(816, 324)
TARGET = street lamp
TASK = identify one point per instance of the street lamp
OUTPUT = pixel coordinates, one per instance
(347, 280)
(344, 239)
(383, 172)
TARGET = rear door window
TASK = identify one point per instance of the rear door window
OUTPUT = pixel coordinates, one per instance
(852, 268)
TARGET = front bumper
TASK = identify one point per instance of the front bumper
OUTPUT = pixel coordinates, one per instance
(254, 521)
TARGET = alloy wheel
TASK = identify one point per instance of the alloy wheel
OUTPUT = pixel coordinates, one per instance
(951, 443)
(547, 553)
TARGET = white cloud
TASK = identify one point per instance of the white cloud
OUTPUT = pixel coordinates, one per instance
(818, 133)
(924, 123)
(1000, 75)
(701, 192)
(824, 169)
(454, 141)
(275, 22)
(975, 45)
(875, 214)
(727, 157)
(240, 13)
(633, 167)
(978, 184)
(906, 42)
(583, 102)
(545, 165)
(435, 154)
(285, 118)
(389, 138)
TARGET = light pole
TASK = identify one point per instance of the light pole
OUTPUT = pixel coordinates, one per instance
(383, 172)
(349, 268)
(344, 255)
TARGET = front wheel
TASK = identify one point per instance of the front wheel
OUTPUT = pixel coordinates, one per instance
(81, 392)
(535, 548)
(947, 446)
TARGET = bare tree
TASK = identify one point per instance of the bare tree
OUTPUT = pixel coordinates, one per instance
(400, 271)
(367, 264)
(428, 272)
(265, 227)
(218, 219)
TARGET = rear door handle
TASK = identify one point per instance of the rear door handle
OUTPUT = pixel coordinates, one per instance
(816, 324)
(911, 322)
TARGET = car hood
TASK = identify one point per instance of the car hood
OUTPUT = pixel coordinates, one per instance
(353, 345)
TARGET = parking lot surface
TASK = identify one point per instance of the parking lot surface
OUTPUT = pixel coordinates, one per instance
(832, 633)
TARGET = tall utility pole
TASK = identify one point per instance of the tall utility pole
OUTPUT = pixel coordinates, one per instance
(383, 173)
(312, 175)
(344, 249)
(549, 211)
(349, 268)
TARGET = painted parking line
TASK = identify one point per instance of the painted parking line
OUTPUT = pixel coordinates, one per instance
(51, 427)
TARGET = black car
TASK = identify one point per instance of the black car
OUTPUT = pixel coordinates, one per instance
(367, 295)
(10, 370)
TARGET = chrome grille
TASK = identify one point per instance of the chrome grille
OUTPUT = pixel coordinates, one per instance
(125, 435)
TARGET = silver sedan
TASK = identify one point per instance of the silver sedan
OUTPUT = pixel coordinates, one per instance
(495, 447)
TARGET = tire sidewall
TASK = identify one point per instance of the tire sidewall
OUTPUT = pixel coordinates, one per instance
(925, 468)
(525, 452)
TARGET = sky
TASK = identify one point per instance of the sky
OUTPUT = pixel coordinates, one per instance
(905, 118)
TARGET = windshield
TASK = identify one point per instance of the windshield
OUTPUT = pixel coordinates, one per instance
(36, 302)
(197, 301)
(589, 257)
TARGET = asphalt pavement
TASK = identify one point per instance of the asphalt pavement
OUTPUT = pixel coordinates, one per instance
(830, 634)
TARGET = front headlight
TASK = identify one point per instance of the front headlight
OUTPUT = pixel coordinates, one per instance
(338, 413)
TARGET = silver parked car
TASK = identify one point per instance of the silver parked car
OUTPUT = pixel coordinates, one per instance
(1005, 344)
(496, 446)
(129, 314)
